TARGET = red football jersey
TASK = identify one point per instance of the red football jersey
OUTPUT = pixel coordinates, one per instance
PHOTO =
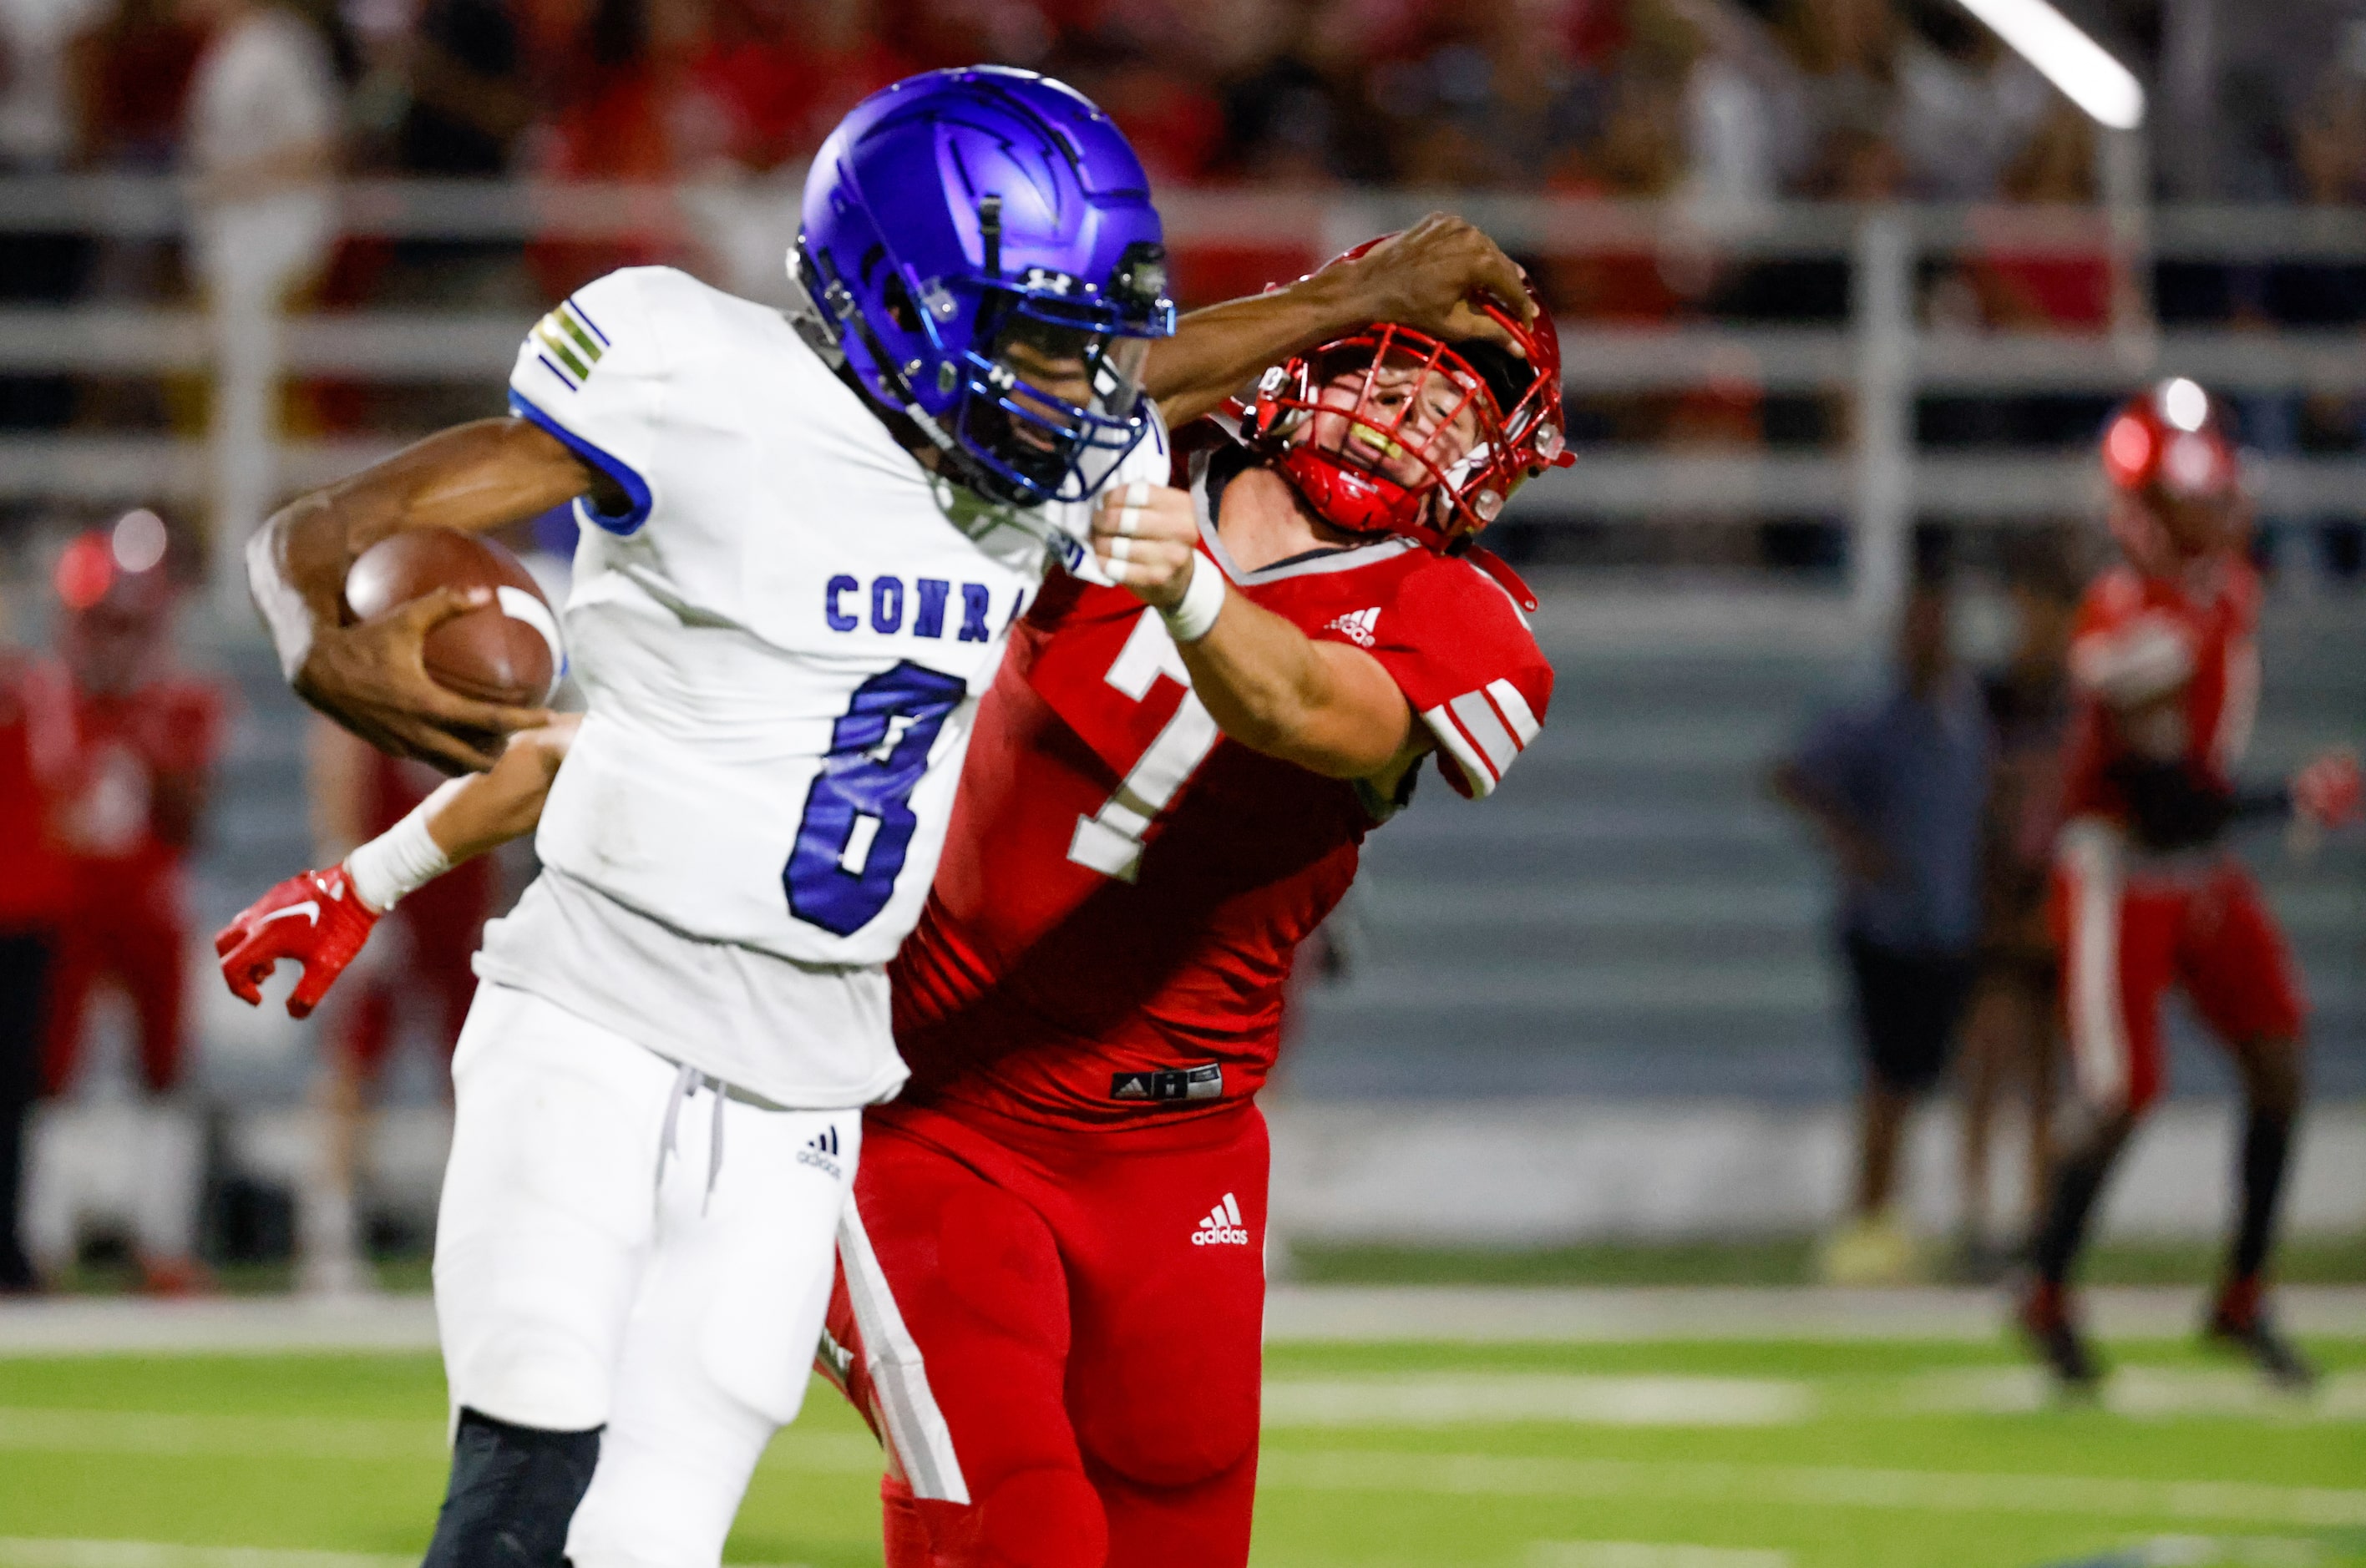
(134, 760)
(2139, 637)
(1122, 888)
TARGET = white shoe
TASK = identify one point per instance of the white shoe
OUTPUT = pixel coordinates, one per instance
(334, 1276)
(1872, 1250)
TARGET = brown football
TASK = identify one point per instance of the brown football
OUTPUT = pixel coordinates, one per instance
(507, 652)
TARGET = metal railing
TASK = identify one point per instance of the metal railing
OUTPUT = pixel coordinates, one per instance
(1880, 359)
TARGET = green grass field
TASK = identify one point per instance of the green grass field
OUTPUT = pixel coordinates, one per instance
(1669, 1455)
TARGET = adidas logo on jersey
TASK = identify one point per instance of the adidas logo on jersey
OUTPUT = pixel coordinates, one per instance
(1357, 625)
(1222, 1226)
(822, 1154)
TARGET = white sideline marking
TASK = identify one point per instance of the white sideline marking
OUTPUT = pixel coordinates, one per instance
(20, 1552)
(159, 1434)
(174, 1435)
(1438, 1400)
(2140, 1392)
(1955, 1492)
(1650, 1554)
(1324, 1314)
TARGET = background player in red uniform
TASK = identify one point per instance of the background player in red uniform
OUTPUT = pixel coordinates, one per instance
(1052, 1286)
(2146, 894)
(138, 742)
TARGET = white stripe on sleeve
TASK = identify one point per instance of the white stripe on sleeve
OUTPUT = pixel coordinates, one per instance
(1475, 771)
(1515, 711)
(1478, 716)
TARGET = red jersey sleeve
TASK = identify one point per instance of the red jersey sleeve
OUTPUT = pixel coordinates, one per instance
(1462, 654)
(2126, 650)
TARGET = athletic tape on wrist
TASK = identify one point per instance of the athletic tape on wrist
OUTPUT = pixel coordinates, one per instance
(1202, 602)
(402, 858)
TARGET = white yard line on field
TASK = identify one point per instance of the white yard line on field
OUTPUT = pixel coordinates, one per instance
(18, 1552)
(2140, 1392)
(1952, 1492)
(1650, 1554)
(1461, 1314)
(170, 1435)
(269, 1326)
(1433, 1399)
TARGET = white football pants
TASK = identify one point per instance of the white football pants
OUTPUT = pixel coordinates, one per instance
(620, 1245)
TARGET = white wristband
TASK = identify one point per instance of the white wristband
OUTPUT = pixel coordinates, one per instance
(402, 858)
(1202, 602)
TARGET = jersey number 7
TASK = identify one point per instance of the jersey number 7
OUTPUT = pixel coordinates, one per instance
(858, 820)
(1110, 841)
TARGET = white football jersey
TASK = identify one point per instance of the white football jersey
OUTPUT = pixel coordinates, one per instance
(781, 641)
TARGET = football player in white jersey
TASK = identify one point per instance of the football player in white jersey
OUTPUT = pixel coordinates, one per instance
(806, 536)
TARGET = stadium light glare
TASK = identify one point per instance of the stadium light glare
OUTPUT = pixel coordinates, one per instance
(2080, 67)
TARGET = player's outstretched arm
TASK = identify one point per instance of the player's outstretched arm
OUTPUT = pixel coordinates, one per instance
(1425, 278)
(1329, 708)
(322, 919)
(371, 676)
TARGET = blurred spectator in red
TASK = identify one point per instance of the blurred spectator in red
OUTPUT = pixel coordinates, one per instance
(415, 973)
(626, 114)
(136, 769)
(35, 716)
(2052, 288)
(782, 73)
(1167, 111)
(133, 74)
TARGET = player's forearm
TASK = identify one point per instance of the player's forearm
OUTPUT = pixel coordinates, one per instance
(1217, 350)
(472, 477)
(1326, 707)
(465, 818)
(485, 811)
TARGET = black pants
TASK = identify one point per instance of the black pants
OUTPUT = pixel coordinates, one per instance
(1908, 1004)
(24, 988)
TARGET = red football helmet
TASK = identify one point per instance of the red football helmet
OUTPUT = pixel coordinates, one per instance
(2177, 478)
(118, 602)
(1391, 431)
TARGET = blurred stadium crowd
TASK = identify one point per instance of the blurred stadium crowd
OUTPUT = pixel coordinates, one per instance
(1749, 100)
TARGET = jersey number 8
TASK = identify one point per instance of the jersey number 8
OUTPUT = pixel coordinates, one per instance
(858, 820)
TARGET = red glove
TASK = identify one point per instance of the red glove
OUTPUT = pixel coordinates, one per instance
(2326, 793)
(316, 919)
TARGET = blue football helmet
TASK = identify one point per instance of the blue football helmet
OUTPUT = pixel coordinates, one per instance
(982, 244)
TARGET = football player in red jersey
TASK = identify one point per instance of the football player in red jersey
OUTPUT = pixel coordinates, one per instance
(137, 742)
(2146, 894)
(1053, 1284)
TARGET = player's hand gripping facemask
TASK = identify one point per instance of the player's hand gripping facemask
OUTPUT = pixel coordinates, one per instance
(1391, 431)
(982, 244)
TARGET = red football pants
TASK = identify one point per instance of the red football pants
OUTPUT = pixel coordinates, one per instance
(1056, 1334)
(2128, 934)
(431, 966)
(141, 944)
